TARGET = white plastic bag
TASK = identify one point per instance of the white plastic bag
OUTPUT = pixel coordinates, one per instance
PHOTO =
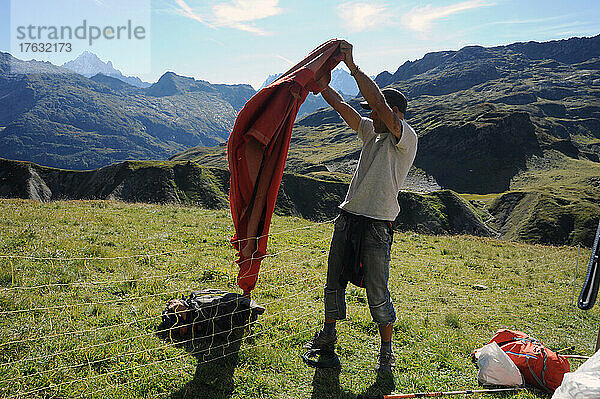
(583, 383)
(496, 368)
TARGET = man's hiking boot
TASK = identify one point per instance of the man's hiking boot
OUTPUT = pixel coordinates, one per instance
(385, 362)
(322, 341)
(320, 351)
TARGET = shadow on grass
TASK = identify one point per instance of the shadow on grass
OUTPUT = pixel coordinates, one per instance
(217, 360)
(210, 325)
(326, 384)
(384, 385)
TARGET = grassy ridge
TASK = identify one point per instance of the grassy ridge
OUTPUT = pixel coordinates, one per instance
(553, 201)
(100, 315)
(557, 174)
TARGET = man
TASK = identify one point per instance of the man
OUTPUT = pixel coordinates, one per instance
(362, 239)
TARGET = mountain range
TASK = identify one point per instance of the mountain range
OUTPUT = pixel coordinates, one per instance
(86, 114)
(515, 130)
(59, 118)
(89, 64)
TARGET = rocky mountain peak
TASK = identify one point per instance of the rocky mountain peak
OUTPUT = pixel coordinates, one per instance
(341, 81)
(270, 79)
(89, 64)
(566, 51)
(171, 84)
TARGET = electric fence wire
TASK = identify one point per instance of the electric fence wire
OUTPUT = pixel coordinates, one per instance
(242, 349)
(112, 301)
(133, 353)
(88, 284)
(152, 255)
(110, 373)
(132, 322)
(88, 364)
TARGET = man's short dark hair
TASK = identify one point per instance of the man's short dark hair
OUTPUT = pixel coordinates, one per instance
(393, 97)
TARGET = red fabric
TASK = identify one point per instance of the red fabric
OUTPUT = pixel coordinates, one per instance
(530, 355)
(257, 150)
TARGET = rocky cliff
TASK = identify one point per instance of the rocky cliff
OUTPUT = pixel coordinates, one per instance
(190, 184)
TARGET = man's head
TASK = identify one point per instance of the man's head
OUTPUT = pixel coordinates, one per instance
(393, 97)
(397, 102)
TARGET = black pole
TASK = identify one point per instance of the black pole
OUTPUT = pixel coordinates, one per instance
(589, 292)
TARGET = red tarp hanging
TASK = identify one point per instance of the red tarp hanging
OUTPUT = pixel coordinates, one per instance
(257, 150)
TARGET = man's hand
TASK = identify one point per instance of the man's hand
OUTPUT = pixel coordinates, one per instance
(346, 49)
(370, 91)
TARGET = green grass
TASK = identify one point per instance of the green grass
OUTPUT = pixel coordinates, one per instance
(479, 197)
(554, 201)
(89, 330)
(559, 175)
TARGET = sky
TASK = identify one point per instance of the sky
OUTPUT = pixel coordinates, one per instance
(243, 41)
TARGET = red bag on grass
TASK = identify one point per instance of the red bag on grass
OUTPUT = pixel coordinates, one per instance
(540, 367)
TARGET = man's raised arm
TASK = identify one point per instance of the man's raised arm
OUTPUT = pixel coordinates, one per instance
(336, 101)
(368, 88)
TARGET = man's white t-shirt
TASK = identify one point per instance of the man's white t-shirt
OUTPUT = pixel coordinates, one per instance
(383, 165)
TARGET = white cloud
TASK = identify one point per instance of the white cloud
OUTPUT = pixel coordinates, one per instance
(239, 13)
(420, 19)
(187, 11)
(236, 14)
(526, 21)
(281, 57)
(362, 16)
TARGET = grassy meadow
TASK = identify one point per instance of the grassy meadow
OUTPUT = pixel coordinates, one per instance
(83, 285)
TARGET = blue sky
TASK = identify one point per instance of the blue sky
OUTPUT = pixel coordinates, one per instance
(243, 41)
